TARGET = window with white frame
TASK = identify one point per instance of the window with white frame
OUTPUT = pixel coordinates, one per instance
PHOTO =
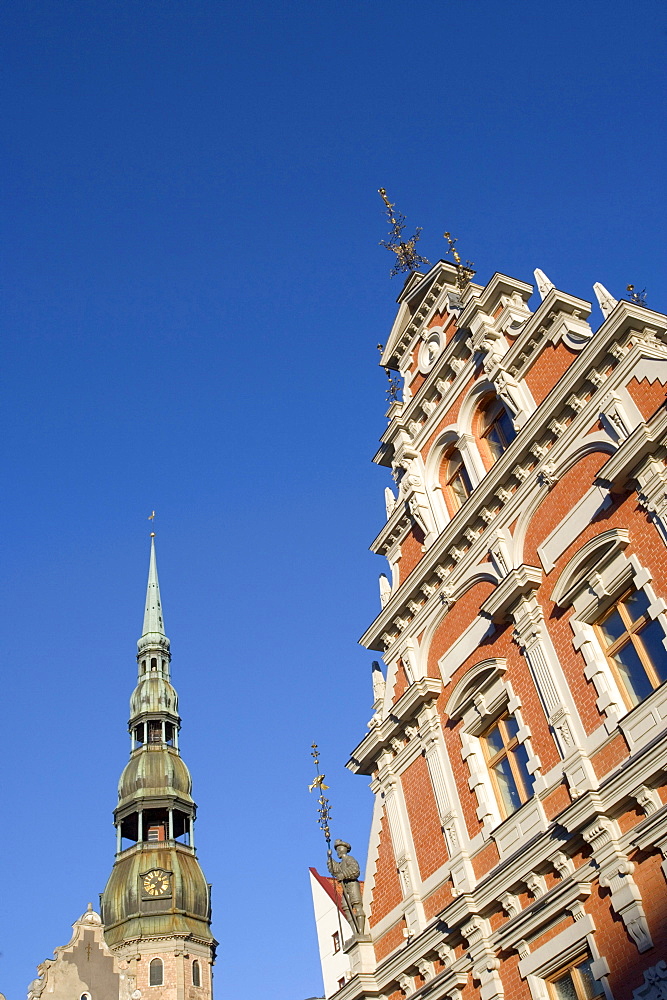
(507, 761)
(496, 428)
(575, 982)
(495, 742)
(455, 480)
(618, 622)
(633, 644)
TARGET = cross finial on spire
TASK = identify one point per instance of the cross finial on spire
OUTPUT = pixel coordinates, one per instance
(407, 258)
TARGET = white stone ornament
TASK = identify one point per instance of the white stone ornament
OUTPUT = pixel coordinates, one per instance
(606, 300)
(385, 590)
(544, 286)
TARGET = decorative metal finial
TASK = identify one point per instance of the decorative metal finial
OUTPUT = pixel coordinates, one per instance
(394, 383)
(323, 807)
(407, 258)
(464, 272)
(637, 298)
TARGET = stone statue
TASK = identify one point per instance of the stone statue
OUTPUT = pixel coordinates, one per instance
(346, 871)
(385, 590)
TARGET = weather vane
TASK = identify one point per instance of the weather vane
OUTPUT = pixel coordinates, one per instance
(638, 298)
(464, 272)
(407, 258)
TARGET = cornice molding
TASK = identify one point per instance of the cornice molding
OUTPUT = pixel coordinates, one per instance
(421, 692)
(518, 582)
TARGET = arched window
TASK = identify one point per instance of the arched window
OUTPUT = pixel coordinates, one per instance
(156, 972)
(196, 973)
(496, 429)
(457, 481)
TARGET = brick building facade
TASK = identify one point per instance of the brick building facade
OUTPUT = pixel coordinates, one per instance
(518, 747)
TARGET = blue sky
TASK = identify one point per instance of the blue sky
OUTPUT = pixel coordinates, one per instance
(192, 295)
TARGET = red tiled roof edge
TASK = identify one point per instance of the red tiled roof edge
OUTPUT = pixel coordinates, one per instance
(330, 886)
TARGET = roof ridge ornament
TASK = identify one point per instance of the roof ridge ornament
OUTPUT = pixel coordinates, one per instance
(544, 284)
(407, 258)
(464, 272)
(606, 300)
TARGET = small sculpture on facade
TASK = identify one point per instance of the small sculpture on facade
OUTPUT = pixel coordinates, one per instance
(385, 589)
(346, 871)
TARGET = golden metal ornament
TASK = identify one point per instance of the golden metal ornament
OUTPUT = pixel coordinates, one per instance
(464, 272)
(323, 807)
(638, 298)
(407, 258)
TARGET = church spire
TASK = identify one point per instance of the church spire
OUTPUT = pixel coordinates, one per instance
(157, 889)
(153, 644)
(153, 621)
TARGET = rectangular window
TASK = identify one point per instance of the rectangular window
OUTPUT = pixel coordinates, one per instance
(155, 832)
(507, 761)
(633, 643)
(335, 937)
(458, 480)
(498, 429)
(576, 982)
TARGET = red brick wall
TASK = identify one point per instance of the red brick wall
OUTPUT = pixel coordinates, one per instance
(387, 889)
(437, 901)
(516, 988)
(486, 859)
(400, 682)
(648, 396)
(411, 552)
(546, 369)
(610, 756)
(556, 801)
(394, 938)
(423, 815)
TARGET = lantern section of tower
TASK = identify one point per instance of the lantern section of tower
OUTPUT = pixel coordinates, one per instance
(518, 742)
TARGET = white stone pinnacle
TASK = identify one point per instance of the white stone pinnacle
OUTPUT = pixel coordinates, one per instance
(605, 299)
(543, 283)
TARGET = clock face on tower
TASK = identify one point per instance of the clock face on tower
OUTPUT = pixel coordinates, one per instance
(156, 882)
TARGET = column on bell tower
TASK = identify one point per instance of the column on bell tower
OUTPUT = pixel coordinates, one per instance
(156, 906)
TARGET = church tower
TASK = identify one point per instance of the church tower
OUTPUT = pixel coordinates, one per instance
(156, 907)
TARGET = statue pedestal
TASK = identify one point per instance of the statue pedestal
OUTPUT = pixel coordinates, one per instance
(362, 954)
